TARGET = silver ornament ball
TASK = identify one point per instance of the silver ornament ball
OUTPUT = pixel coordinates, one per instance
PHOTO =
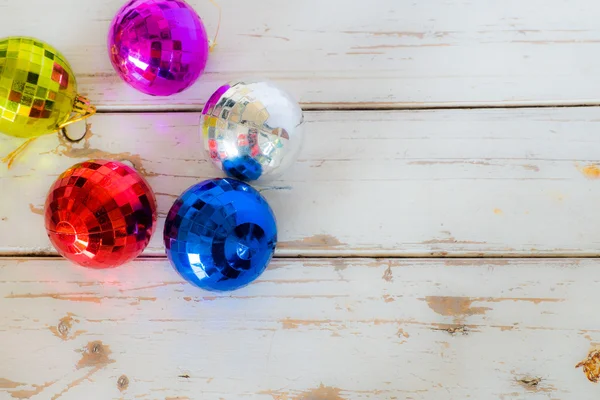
(252, 130)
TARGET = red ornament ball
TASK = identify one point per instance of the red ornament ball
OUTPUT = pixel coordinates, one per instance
(100, 214)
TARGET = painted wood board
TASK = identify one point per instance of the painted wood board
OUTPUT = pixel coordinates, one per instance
(335, 53)
(492, 182)
(307, 329)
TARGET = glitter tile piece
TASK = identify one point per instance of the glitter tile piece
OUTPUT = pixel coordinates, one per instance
(220, 234)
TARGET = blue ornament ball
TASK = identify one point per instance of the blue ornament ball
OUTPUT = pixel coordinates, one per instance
(220, 234)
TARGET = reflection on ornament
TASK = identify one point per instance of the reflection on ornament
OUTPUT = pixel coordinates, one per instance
(220, 234)
(252, 130)
(100, 214)
(158, 47)
(38, 91)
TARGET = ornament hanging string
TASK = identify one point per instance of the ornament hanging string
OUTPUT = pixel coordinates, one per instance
(10, 158)
(213, 43)
(82, 109)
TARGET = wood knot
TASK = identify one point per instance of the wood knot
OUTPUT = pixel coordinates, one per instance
(463, 330)
(591, 366)
(95, 354)
(388, 276)
(186, 376)
(530, 382)
(63, 328)
(123, 382)
(455, 330)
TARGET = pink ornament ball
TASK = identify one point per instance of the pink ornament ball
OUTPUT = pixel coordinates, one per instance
(158, 47)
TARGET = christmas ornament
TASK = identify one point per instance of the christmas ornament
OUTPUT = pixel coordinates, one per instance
(100, 213)
(38, 91)
(158, 47)
(220, 234)
(252, 130)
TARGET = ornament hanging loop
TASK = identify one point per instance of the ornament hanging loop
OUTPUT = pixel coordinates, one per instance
(213, 42)
(83, 109)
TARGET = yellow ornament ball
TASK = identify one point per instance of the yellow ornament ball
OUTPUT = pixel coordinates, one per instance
(38, 90)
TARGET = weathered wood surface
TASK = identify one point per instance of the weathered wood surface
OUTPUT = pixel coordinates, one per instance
(307, 329)
(380, 53)
(446, 182)
(438, 183)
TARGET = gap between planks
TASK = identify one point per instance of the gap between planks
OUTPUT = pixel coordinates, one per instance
(355, 256)
(373, 106)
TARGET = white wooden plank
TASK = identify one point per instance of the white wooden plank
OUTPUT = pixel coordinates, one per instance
(446, 182)
(307, 329)
(381, 53)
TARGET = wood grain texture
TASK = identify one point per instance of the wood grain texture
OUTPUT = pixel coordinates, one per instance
(506, 182)
(307, 329)
(335, 53)
(415, 183)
